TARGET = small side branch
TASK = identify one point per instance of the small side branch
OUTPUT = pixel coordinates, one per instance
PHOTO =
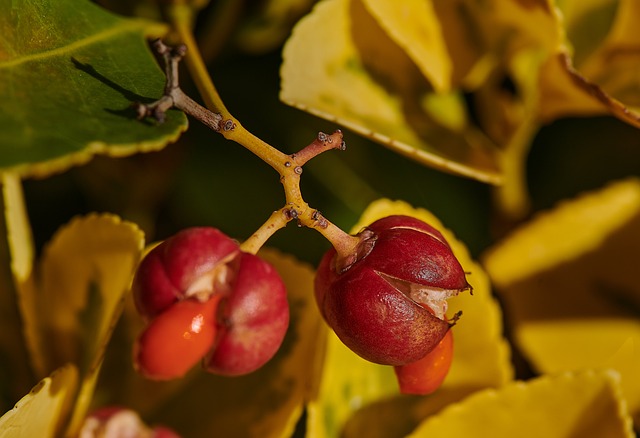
(173, 94)
(322, 143)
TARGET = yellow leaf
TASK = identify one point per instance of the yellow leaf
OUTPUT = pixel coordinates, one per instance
(340, 64)
(42, 412)
(599, 78)
(482, 36)
(617, 56)
(586, 404)
(555, 237)
(586, 23)
(568, 281)
(414, 26)
(15, 373)
(84, 273)
(270, 401)
(481, 356)
(347, 383)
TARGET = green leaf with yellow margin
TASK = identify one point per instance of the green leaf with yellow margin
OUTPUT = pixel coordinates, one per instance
(42, 412)
(266, 403)
(359, 398)
(585, 404)
(568, 279)
(69, 71)
(340, 64)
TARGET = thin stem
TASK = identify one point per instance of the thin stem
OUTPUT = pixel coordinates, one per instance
(181, 16)
(322, 143)
(276, 221)
(220, 120)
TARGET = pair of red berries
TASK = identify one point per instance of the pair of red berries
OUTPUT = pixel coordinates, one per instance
(207, 299)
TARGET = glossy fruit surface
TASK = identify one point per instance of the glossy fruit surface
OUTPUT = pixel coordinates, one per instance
(389, 305)
(427, 374)
(177, 339)
(254, 319)
(204, 299)
(187, 264)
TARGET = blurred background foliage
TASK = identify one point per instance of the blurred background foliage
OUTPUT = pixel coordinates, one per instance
(202, 179)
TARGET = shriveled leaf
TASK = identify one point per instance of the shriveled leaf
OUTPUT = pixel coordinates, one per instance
(42, 412)
(617, 57)
(481, 356)
(564, 91)
(568, 280)
(268, 402)
(481, 36)
(69, 71)
(341, 65)
(599, 77)
(586, 404)
(587, 23)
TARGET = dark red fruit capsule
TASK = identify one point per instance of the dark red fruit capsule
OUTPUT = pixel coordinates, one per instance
(389, 305)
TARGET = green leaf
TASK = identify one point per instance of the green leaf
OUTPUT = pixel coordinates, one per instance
(42, 412)
(586, 404)
(568, 280)
(69, 71)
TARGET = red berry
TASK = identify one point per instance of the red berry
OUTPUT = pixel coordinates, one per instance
(200, 278)
(187, 264)
(427, 374)
(388, 306)
(255, 317)
(177, 339)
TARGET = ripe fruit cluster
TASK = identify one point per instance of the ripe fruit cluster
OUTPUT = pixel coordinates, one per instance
(389, 305)
(205, 299)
